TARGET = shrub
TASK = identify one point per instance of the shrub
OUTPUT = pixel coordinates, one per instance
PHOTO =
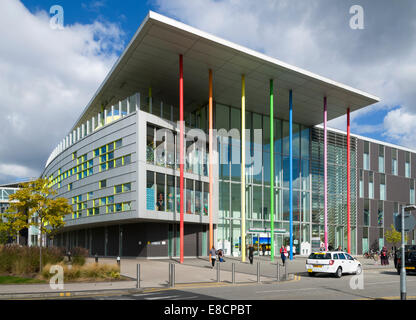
(16, 259)
(78, 255)
(91, 271)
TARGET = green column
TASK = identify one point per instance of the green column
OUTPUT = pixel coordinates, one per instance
(271, 173)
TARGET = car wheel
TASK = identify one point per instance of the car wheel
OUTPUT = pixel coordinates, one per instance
(338, 273)
(311, 274)
(359, 270)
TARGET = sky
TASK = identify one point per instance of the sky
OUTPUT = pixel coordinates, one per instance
(48, 75)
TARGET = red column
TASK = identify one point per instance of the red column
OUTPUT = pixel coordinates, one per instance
(181, 161)
(348, 182)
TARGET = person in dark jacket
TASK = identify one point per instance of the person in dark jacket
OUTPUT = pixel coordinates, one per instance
(251, 253)
(213, 254)
(263, 248)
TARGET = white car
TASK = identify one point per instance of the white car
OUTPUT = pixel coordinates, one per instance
(335, 262)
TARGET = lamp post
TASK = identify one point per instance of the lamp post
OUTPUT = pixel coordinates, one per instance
(403, 269)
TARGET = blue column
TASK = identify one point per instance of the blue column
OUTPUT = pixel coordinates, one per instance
(290, 176)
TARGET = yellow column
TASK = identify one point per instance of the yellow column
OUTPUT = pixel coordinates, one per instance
(243, 167)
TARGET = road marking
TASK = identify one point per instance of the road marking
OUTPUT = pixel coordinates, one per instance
(161, 297)
(284, 290)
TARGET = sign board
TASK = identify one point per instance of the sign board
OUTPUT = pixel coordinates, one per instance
(409, 222)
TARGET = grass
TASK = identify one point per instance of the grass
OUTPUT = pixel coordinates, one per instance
(18, 280)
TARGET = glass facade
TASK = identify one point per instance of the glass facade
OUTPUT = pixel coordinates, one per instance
(257, 191)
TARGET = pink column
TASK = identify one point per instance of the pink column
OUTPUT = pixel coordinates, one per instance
(325, 178)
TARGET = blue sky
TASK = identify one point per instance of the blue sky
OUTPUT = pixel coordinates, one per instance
(128, 14)
(58, 72)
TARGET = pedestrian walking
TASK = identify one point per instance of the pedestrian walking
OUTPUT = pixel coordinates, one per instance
(384, 257)
(283, 254)
(213, 254)
(288, 250)
(263, 248)
(251, 253)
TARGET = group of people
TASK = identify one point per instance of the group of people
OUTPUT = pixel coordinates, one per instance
(214, 254)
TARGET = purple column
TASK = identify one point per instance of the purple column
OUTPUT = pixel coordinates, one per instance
(325, 178)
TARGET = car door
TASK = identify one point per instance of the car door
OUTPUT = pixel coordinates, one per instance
(343, 262)
(352, 263)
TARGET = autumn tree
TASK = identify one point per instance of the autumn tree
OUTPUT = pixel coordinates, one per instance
(33, 205)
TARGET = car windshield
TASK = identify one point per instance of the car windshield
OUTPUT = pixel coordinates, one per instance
(320, 256)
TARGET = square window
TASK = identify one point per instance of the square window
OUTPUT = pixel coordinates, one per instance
(96, 152)
(110, 199)
(110, 209)
(127, 159)
(110, 146)
(103, 184)
(103, 201)
(119, 162)
(103, 149)
(118, 143)
(118, 189)
(118, 207)
(111, 164)
(126, 187)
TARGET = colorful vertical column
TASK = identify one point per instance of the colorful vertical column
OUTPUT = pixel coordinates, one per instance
(243, 167)
(325, 177)
(181, 160)
(348, 183)
(271, 173)
(211, 182)
(291, 173)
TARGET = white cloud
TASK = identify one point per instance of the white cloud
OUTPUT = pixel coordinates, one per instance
(46, 78)
(315, 35)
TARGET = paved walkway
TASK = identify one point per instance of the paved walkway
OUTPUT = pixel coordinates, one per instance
(194, 271)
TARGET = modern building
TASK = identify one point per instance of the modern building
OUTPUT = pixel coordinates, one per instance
(120, 164)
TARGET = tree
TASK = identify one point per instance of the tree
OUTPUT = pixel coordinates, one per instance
(32, 205)
(393, 236)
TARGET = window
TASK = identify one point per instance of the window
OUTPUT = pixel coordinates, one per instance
(118, 189)
(394, 161)
(412, 191)
(160, 191)
(119, 162)
(341, 256)
(382, 187)
(126, 187)
(366, 212)
(103, 201)
(69, 186)
(407, 165)
(150, 191)
(361, 184)
(381, 158)
(103, 184)
(366, 159)
(110, 199)
(126, 206)
(118, 144)
(380, 214)
(127, 159)
(371, 185)
(119, 207)
(170, 193)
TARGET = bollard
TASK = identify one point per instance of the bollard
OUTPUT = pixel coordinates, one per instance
(278, 271)
(170, 274)
(233, 272)
(285, 271)
(258, 272)
(218, 272)
(173, 274)
(138, 276)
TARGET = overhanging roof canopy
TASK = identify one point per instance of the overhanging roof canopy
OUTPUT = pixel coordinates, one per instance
(152, 60)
